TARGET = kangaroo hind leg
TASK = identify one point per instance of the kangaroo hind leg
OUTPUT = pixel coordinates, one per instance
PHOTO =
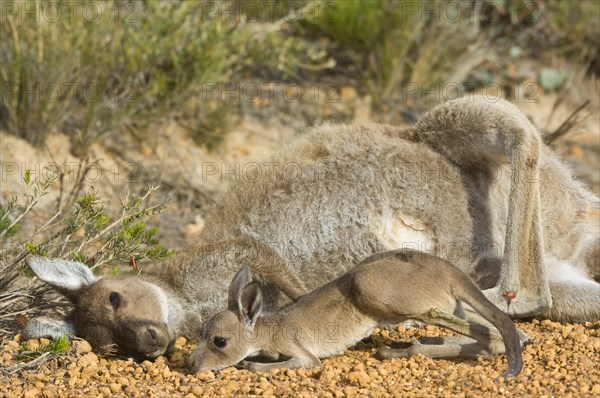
(480, 131)
(476, 340)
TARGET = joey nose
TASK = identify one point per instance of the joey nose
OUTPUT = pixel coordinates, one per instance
(193, 366)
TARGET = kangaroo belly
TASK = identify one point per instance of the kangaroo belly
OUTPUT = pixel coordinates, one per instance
(401, 231)
(332, 338)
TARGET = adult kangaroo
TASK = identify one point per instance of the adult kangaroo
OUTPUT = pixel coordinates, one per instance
(471, 182)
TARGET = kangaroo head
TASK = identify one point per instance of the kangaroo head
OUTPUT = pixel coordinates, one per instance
(229, 336)
(125, 311)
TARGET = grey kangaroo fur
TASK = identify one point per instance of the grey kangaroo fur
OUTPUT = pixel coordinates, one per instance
(387, 288)
(471, 182)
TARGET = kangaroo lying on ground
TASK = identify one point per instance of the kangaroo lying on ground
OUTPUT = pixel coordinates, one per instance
(386, 288)
(471, 182)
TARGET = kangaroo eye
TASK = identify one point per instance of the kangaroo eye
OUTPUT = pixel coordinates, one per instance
(220, 342)
(115, 300)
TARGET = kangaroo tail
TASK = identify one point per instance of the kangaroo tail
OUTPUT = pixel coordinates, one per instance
(471, 294)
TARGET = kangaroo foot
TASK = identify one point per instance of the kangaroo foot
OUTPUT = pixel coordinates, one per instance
(436, 350)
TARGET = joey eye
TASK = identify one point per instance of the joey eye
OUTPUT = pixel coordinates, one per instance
(115, 300)
(220, 342)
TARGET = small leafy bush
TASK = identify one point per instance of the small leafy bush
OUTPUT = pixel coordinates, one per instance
(57, 346)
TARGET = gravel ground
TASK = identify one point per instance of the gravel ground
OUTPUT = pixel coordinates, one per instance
(563, 361)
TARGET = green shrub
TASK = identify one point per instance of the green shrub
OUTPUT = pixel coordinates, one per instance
(123, 64)
(398, 42)
(576, 25)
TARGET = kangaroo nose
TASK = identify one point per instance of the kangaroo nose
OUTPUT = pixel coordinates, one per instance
(152, 334)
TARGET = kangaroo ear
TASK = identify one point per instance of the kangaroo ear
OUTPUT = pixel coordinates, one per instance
(239, 281)
(68, 277)
(250, 303)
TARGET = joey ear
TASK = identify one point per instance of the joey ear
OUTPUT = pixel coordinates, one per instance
(66, 276)
(239, 281)
(250, 303)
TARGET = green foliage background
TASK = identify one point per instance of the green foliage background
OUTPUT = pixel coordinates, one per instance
(134, 62)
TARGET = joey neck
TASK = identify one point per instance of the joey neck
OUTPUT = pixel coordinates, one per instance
(285, 325)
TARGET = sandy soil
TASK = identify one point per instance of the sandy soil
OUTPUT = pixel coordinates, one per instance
(562, 361)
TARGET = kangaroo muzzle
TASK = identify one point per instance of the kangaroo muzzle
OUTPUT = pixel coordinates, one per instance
(146, 339)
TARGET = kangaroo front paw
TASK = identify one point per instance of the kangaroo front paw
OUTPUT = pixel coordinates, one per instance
(519, 304)
(256, 366)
